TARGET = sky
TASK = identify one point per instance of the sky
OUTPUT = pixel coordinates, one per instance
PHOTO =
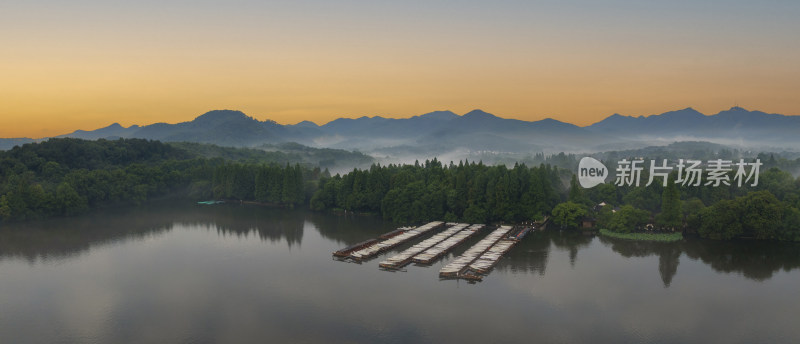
(85, 64)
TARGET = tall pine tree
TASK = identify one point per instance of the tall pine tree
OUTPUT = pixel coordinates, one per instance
(670, 216)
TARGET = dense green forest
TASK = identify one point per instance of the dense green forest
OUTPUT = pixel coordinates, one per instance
(766, 211)
(266, 183)
(282, 153)
(477, 193)
(68, 176)
(471, 192)
(787, 161)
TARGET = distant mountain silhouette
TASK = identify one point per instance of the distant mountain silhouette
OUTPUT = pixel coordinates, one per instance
(112, 131)
(735, 125)
(6, 144)
(666, 122)
(477, 130)
(222, 127)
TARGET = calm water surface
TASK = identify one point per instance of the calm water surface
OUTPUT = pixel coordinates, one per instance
(238, 274)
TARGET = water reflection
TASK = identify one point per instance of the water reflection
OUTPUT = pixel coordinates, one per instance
(346, 230)
(668, 254)
(529, 256)
(62, 238)
(754, 260)
(172, 273)
(571, 241)
(269, 224)
(57, 239)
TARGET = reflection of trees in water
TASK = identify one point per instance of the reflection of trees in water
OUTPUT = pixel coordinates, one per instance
(60, 238)
(529, 256)
(67, 237)
(757, 260)
(668, 254)
(668, 261)
(532, 253)
(350, 229)
(571, 241)
(273, 224)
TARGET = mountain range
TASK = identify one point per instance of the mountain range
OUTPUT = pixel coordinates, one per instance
(440, 132)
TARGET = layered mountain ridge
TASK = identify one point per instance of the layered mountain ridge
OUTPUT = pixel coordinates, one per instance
(477, 130)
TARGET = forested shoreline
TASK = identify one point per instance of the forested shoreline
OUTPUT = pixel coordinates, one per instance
(471, 192)
(63, 177)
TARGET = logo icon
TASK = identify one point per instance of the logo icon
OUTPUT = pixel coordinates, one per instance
(591, 172)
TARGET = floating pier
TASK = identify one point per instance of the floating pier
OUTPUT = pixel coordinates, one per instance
(430, 255)
(394, 233)
(489, 259)
(345, 252)
(473, 264)
(394, 240)
(483, 264)
(458, 267)
(403, 258)
(349, 249)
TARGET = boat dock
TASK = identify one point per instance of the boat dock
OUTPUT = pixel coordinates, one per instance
(394, 233)
(489, 259)
(473, 264)
(394, 240)
(481, 266)
(403, 258)
(345, 252)
(349, 249)
(458, 267)
(430, 255)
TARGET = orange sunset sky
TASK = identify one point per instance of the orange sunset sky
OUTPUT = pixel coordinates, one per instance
(87, 64)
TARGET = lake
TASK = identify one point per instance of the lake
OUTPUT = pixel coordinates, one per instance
(167, 273)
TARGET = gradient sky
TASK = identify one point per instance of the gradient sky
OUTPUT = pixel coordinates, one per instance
(86, 64)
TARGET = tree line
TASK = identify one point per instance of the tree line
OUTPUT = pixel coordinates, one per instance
(471, 192)
(62, 177)
(770, 210)
(69, 176)
(266, 183)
